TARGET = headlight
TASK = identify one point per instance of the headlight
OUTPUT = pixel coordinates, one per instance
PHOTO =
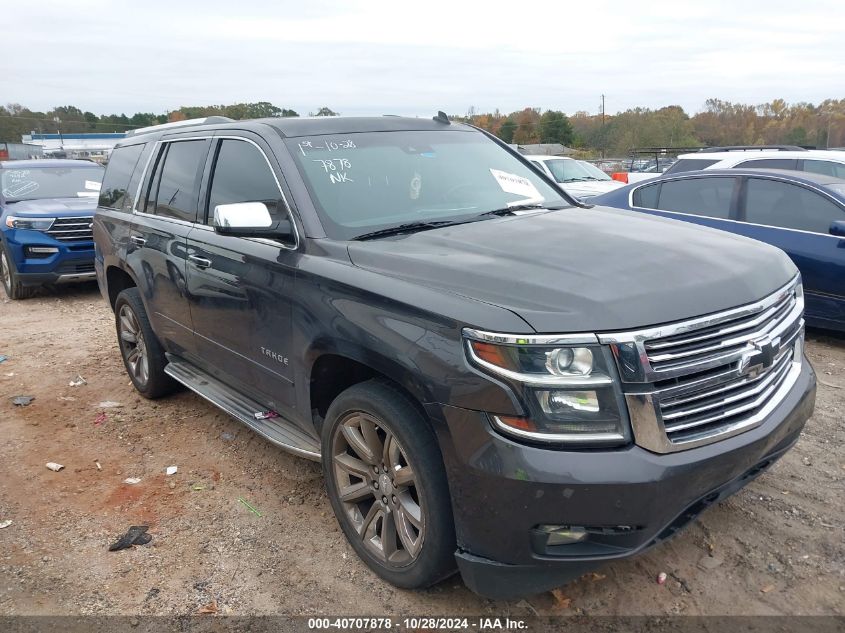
(568, 387)
(36, 224)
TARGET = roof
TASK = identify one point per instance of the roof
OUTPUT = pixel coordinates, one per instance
(806, 177)
(47, 163)
(313, 126)
(545, 157)
(765, 153)
(79, 136)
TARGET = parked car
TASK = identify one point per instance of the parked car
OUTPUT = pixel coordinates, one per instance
(801, 213)
(825, 162)
(577, 177)
(495, 378)
(46, 209)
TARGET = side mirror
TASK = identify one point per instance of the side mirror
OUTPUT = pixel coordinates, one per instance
(837, 228)
(249, 219)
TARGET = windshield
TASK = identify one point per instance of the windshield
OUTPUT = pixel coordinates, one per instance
(568, 170)
(368, 181)
(51, 182)
(594, 171)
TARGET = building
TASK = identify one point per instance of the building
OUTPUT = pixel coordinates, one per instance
(95, 146)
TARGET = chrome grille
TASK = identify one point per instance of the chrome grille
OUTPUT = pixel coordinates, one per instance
(72, 229)
(702, 380)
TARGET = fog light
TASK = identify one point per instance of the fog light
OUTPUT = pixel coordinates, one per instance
(41, 250)
(563, 534)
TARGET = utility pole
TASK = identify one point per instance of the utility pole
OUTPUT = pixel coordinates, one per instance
(602, 126)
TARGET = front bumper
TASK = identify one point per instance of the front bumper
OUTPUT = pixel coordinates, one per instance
(630, 498)
(72, 261)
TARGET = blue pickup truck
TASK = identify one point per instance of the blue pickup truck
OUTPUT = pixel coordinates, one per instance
(46, 209)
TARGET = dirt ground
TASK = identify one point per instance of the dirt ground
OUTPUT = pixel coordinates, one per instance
(776, 547)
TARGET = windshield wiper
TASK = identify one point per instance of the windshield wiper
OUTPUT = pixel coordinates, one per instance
(409, 227)
(518, 207)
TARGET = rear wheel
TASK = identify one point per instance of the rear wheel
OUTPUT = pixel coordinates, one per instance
(9, 276)
(387, 485)
(142, 353)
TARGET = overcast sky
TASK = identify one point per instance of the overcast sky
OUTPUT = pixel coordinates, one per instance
(413, 58)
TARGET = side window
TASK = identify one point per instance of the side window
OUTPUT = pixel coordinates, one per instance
(175, 185)
(770, 163)
(646, 197)
(122, 163)
(789, 206)
(241, 174)
(690, 164)
(826, 167)
(710, 197)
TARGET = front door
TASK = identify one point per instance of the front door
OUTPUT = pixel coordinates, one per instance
(241, 289)
(797, 220)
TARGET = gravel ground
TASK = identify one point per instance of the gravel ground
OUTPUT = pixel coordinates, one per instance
(776, 547)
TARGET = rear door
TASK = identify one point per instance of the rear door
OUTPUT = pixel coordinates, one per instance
(797, 220)
(157, 248)
(707, 200)
(241, 289)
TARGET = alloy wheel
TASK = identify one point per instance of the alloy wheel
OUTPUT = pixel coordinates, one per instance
(133, 345)
(378, 489)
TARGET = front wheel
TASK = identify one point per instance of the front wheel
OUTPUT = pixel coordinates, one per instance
(11, 284)
(387, 485)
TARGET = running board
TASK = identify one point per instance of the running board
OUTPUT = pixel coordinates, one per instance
(279, 431)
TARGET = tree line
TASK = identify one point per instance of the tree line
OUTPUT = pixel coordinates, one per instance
(719, 123)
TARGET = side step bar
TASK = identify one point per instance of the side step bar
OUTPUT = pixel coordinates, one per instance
(278, 430)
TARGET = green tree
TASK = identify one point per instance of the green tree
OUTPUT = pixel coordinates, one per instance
(325, 111)
(507, 130)
(556, 128)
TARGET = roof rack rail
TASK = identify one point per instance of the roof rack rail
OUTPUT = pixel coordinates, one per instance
(177, 124)
(748, 148)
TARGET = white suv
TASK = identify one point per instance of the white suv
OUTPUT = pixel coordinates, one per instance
(819, 161)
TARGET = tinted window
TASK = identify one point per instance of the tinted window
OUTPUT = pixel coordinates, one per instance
(826, 167)
(646, 197)
(782, 204)
(178, 180)
(690, 164)
(241, 174)
(769, 163)
(116, 181)
(710, 197)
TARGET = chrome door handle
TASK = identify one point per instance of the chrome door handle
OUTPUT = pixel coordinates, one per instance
(200, 262)
(137, 240)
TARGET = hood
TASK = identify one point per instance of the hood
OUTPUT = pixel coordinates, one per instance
(591, 187)
(53, 207)
(585, 270)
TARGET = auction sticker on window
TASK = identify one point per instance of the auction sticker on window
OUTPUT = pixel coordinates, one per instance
(511, 183)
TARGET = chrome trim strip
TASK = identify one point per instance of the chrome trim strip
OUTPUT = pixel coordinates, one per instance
(75, 277)
(573, 438)
(531, 339)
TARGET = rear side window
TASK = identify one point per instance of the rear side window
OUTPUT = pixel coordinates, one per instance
(770, 163)
(826, 167)
(122, 163)
(789, 206)
(175, 185)
(241, 174)
(646, 197)
(710, 197)
(690, 164)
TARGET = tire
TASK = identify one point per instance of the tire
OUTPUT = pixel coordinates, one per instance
(140, 349)
(418, 548)
(9, 276)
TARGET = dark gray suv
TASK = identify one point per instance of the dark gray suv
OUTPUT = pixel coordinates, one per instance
(496, 379)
